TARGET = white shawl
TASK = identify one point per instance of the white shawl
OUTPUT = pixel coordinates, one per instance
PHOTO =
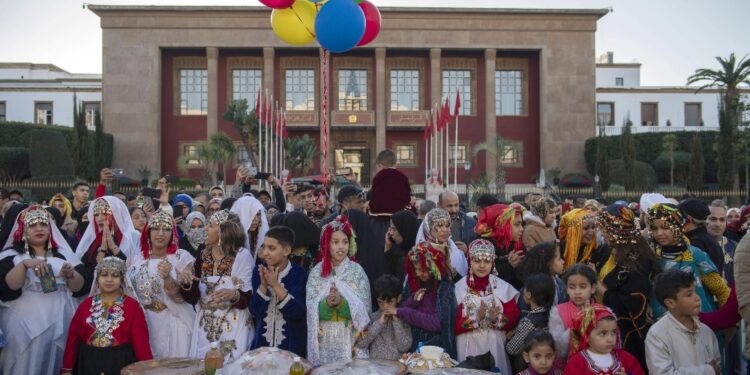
(247, 208)
(124, 223)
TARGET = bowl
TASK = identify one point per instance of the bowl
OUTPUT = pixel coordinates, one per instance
(431, 352)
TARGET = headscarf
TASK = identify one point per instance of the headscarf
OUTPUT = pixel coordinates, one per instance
(737, 225)
(159, 220)
(672, 216)
(184, 198)
(436, 216)
(9, 221)
(29, 216)
(496, 223)
(618, 223)
(119, 221)
(306, 233)
(571, 231)
(540, 207)
(68, 207)
(406, 224)
(195, 236)
(341, 223)
(584, 323)
(57, 216)
(247, 208)
(650, 199)
(431, 259)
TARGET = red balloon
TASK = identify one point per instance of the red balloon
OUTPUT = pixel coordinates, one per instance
(277, 4)
(372, 22)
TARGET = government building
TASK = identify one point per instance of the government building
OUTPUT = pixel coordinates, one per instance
(524, 75)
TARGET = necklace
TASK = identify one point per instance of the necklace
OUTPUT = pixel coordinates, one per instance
(105, 318)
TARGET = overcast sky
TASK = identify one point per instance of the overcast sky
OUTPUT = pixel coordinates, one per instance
(671, 38)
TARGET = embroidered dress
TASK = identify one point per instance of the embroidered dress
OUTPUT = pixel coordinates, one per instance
(583, 364)
(476, 337)
(331, 333)
(35, 323)
(224, 322)
(105, 337)
(170, 323)
(281, 324)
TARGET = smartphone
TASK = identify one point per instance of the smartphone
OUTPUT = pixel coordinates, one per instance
(117, 172)
(178, 210)
(343, 171)
(172, 179)
(151, 192)
(262, 175)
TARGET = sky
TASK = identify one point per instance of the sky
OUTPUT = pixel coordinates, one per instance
(670, 38)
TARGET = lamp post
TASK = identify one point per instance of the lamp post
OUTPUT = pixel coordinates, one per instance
(467, 167)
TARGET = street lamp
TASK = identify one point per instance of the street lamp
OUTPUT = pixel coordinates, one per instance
(467, 167)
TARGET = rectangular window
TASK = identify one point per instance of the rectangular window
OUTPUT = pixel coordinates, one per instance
(193, 92)
(91, 109)
(508, 92)
(242, 154)
(458, 80)
(457, 154)
(352, 90)
(605, 114)
(43, 113)
(693, 114)
(404, 90)
(511, 154)
(650, 114)
(406, 155)
(300, 90)
(245, 85)
(2, 111)
(619, 81)
(190, 153)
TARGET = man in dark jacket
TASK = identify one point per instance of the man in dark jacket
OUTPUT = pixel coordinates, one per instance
(462, 226)
(696, 212)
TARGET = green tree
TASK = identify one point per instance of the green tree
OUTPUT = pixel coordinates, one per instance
(219, 150)
(99, 140)
(727, 79)
(225, 151)
(80, 157)
(246, 123)
(300, 153)
(628, 154)
(496, 150)
(669, 143)
(697, 164)
(602, 161)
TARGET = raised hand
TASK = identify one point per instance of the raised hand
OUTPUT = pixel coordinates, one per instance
(164, 268)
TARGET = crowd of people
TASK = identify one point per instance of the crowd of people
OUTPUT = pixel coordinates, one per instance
(89, 286)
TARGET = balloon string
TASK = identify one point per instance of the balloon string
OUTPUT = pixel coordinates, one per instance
(302, 22)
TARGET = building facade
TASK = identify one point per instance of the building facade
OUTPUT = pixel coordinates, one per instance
(44, 94)
(619, 95)
(527, 76)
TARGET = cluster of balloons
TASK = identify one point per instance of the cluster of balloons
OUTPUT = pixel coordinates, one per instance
(339, 25)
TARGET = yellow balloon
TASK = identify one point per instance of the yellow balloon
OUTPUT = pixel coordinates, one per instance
(296, 24)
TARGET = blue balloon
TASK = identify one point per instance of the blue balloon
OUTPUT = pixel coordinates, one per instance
(340, 25)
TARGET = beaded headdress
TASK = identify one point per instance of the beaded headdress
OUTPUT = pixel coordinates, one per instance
(341, 223)
(219, 217)
(111, 264)
(35, 215)
(161, 220)
(669, 213)
(101, 206)
(431, 259)
(482, 249)
(617, 222)
(437, 216)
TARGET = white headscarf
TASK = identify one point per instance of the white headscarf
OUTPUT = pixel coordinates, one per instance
(247, 208)
(458, 259)
(62, 245)
(124, 223)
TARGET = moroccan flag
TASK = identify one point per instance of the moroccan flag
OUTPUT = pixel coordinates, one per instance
(446, 111)
(427, 130)
(278, 122)
(257, 105)
(458, 103)
(267, 113)
(439, 120)
(283, 125)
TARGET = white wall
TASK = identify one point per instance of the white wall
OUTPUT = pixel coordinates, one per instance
(19, 105)
(605, 75)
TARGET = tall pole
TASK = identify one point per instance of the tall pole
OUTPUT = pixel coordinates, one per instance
(260, 126)
(455, 161)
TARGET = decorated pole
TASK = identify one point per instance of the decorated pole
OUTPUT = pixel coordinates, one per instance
(324, 109)
(466, 154)
(258, 112)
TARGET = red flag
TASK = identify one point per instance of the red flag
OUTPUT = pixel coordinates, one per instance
(427, 129)
(458, 103)
(278, 122)
(283, 125)
(257, 105)
(267, 113)
(446, 111)
(439, 120)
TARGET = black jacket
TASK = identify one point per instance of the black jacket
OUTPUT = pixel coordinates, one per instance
(700, 238)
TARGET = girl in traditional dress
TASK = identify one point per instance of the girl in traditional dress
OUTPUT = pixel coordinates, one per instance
(108, 330)
(221, 289)
(436, 229)
(596, 336)
(487, 308)
(109, 234)
(253, 219)
(429, 305)
(38, 271)
(578, 240)
(625, 276)
(154, 274)
(338, 297)
(674, 251)
(503, 225)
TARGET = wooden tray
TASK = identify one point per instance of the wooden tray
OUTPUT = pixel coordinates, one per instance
(165, 366)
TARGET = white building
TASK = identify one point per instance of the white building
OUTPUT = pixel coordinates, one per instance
(43, 93)
(619, 94)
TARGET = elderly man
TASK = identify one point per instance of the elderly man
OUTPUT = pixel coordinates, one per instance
(462, 226)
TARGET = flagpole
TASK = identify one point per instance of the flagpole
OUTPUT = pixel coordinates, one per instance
(278, 139)
(260, 125)
(426, 152)
(447, 131)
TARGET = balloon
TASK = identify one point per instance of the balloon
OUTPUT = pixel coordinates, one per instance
(296, 24)
(340, 25)
(372, 22)
(277, 4)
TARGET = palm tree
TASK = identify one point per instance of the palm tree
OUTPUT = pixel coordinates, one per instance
(669, 142)
(727, 80)
(246, 123)
(496, 150)
(219, 149)
(300, 153)
(225, 151)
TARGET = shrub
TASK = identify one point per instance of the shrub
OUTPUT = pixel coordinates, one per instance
(646, 175)
(14, 163)
(49, 155)
(681, 164)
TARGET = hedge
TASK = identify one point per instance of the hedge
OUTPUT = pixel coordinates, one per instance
(14, 163)
(646, 175)
(18, 134)
(49, 156)
(648, 148)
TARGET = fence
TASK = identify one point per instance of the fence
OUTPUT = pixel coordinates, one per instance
(43, 190)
